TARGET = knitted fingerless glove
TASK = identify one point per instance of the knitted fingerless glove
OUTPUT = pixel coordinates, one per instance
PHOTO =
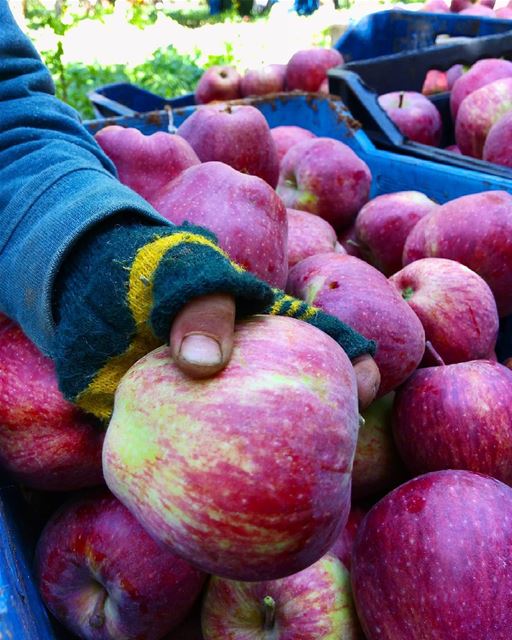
(121, 290)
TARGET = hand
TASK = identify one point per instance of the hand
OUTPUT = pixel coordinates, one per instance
(202, 341)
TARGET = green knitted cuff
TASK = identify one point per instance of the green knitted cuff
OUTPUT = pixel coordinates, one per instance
(120, 294)
(352, 342)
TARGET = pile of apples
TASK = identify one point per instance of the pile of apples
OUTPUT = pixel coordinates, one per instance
(480, 105)
(233, 503)
(484, 8)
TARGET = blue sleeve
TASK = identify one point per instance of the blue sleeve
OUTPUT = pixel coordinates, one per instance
(55, 184)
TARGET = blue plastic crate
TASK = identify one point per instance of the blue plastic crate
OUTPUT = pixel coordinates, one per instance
(360, 83)
(390, 32)
(22, 615)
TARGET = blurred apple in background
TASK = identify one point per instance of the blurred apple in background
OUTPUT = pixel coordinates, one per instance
(383, 224)
(361, 296)
(455, 305)
(481, 73)
(45, 441)
(254, 465)
(237, 135)
(307, 69)
(414, 115)
(430, 550)
(334, 188)
(103, 576)
(243, 211)
(314, 604)
(286, 136)
(435, 82)
(465, 421)
(479, 111)
(258, 82)
(453, 74)
(436, 6)
(475, 230)
(377, 465)
(478, 10)
(308, 235)
(218, 83)
(146, 163)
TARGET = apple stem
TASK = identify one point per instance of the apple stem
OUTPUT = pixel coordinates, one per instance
(430, 347)
(97, 618)
(401, 100)
(269, 613)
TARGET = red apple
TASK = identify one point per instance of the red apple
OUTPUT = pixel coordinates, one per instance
(218, 83)
(258, 82)
(361, 296)
(146, 163)
(247, 474)
(342, 548)
(45, 442)
(436, 6)
(286, 136)
(237, 135)
(325, 177)
(465, 420)
(307, 69)
(314, 604)
(453, 148)
(383, 224)
(308, 235)
(245, 214)
(428, 552)
(453, 74)
(478, 112)
(475, 230)
(103, 576)
(455, 305)
(414, 115)
(479, 75)
(435, 82)
(497, 147)
(478, 10)
(377, 465)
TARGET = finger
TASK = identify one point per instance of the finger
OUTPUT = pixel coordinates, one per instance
(368, 379)
(201, 337)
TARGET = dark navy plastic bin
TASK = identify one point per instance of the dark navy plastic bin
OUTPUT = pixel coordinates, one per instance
(22, 615)
(379, 34)
(360, 83)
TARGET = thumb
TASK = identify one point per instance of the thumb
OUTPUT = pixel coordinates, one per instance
(201, 337)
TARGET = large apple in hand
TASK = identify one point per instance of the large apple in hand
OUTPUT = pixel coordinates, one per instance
(218, 83)
(103, 576)
(259, 82)
(237, 135)
(245, 214)
(377, 465)
(308, 235)
(455, 305)
(428, 552)
(286, 136)
(475, 230)
(146, 163)
(247, 474)
(314, 604)
(334, 188)
(307, 69)
(414, 115)
(45, 442)
(481, 73)
(477, 114)
(498, 144)
(465, 420)
(361, 296)
(383, 224)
